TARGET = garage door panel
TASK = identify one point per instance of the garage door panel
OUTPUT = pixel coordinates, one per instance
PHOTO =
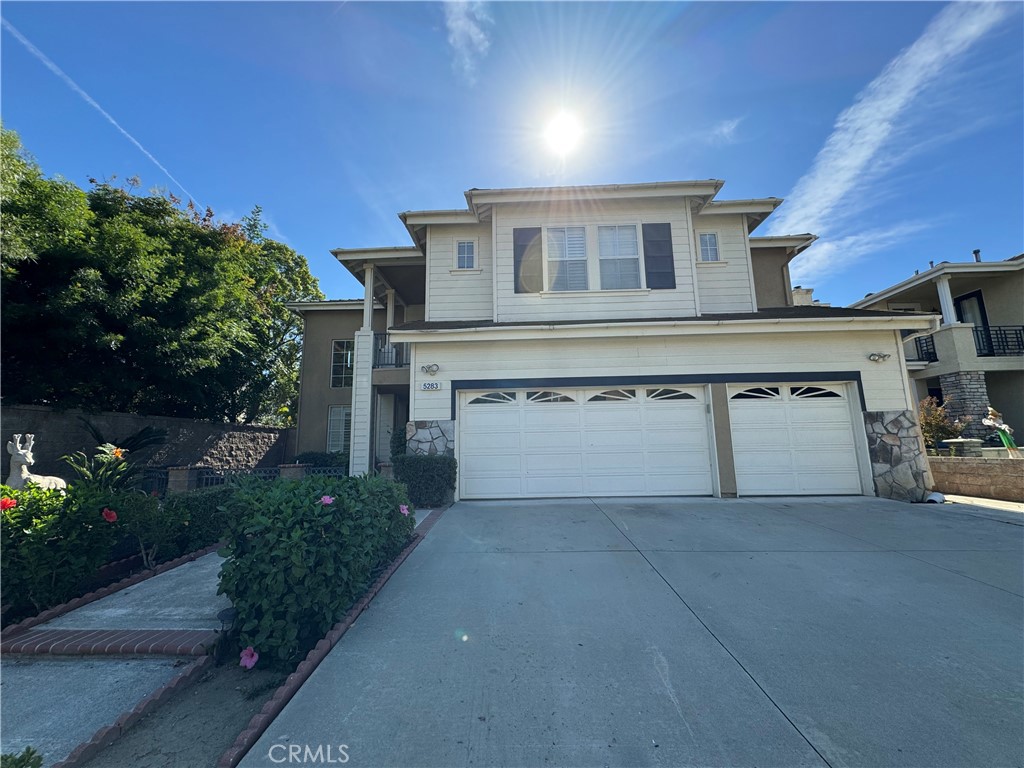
(553, 486)
(563, 440)
(491, 487)
(546, 416)
(614, 463)
(610, 416)
(613, 440)
(615, 485)
(488, 442)
(830, 459)
(830, 482)
(687, 416)
(476, 417)
(681, 484)
(552, 463)
(494, 463)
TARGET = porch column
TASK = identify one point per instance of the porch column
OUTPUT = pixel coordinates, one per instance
(391, 307)
(368, 279)
(946, 300)
(360, 452)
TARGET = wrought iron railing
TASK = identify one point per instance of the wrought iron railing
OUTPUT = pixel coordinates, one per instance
(999, 340)
(208, 477)
(154, 479)
(925, 347)
(389, 355)
(327, 471)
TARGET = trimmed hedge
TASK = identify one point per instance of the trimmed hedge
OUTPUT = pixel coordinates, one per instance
(300, 552)
(206, 513)
(430, 479)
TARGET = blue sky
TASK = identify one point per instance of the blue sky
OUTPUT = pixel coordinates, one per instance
(894, 130)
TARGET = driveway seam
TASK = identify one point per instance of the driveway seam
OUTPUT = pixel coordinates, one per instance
(716, 638)
(900, 552)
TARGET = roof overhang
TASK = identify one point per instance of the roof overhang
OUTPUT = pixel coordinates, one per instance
(670, 328)
(793, 244)
(416, 222)
(401, 269)
(756, 210)
(945, 268)
(478, 198)
(350, 305)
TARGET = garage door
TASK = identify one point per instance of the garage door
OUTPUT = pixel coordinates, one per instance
(793, 439)
(583, 442)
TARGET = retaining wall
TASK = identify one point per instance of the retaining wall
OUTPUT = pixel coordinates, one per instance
(985, 478)
(189, 442)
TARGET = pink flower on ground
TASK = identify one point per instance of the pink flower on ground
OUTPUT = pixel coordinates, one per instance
(326, 500)
(249, 658)
(403, 509)
(109, 515)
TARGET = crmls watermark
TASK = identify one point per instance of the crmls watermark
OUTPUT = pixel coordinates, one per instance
(326, 754)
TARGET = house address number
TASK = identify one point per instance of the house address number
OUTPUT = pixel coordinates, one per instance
(430, 386)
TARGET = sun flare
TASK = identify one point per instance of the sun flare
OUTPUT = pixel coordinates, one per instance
(563, 133)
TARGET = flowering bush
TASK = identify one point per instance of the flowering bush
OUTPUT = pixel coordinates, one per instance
(295, 563)
(935, 423)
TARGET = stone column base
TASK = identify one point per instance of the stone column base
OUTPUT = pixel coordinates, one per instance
(899, 466)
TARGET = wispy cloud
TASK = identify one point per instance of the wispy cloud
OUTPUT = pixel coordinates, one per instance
(467, 24)
(828, 257)
(871, 137)
(92, 103)
(725, 131)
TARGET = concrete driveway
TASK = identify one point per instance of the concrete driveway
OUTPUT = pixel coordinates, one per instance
(679, 632)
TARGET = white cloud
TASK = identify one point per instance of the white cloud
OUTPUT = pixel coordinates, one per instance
(725, 131)
(838, 181)
(92, 103)
(467, 24)
(828, 257)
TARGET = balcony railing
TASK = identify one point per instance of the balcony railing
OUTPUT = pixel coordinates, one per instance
(999, 340)
(388, 355)
(925, 346)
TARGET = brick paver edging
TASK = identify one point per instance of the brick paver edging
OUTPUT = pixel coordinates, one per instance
(107, 735)
(132, 642)
(260, 722)
(89, 597)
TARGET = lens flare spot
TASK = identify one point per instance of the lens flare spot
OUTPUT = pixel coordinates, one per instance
(563, 133)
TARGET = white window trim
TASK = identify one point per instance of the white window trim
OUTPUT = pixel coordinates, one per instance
(346, 439)
(718, 244)
(594, 257)
(330, 370)
(475, 271)
(455, 254)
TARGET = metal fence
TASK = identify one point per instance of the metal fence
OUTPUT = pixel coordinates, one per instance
(327, 471)
(208, 477)
(999, 340)
(926, 348)
(388, 355)
(154, 479)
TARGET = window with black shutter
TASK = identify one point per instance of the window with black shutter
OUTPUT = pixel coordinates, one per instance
(659, 267)
(528, 260)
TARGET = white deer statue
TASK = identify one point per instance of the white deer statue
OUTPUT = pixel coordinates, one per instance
(21, 460)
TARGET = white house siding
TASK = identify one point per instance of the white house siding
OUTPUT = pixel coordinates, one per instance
(794, 352)
(595, 304)
(725, 286)
(455, 294)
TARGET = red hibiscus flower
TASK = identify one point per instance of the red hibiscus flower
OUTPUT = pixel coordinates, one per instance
(6, 503)
(109, 515)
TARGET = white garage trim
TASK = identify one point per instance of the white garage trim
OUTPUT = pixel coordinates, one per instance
(551, 441)
(792, 439)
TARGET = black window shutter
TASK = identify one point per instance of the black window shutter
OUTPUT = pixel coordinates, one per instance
(659, 266)
(527, 260)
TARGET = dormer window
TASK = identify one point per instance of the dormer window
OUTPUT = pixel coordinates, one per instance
(465, 254)
(709, 246)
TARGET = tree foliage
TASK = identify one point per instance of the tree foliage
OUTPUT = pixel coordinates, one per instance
(126, 302)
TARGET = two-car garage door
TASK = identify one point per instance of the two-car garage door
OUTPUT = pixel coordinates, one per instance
(654, 440)
(582, 442)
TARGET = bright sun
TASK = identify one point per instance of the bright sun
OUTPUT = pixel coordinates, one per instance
(563, 133)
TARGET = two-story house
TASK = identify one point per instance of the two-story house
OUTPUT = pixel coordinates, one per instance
(976, 358)
(632, 339)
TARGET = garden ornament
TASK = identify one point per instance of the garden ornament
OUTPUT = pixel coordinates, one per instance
(21, 460)
(995, 420)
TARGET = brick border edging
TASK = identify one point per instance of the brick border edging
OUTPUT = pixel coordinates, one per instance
(272, 708)
(108, 734)
(89, 597)
(112, 642)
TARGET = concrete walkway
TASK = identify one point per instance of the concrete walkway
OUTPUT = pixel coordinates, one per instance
(677, 632)
(64, 680)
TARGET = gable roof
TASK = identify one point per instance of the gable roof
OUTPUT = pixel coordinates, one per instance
(961, 268)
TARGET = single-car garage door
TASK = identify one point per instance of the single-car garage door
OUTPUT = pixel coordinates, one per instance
(583, 442)
(793, 439)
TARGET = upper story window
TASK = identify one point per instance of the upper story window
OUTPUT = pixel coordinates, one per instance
(709, 246)
(619, 254)
(567, 258)
(341, 364)
(465, 254)
(620, 257)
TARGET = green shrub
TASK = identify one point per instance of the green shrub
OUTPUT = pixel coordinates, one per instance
(155, 527)
(108, 470)
(430, 479)
(51, 543)
(205, 513)
(322, 459)
(301, 551)
(398, 443)
(27, 758)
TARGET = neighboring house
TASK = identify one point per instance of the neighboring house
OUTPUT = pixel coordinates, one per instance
(976, 357)
(610, 340)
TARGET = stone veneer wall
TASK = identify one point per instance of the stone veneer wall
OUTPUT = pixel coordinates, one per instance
(969, 396)
(983, 478)
(189, 442)
(898, 464)
(428, 438)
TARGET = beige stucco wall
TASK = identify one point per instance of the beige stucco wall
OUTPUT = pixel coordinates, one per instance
(771, 277)
(322, 327)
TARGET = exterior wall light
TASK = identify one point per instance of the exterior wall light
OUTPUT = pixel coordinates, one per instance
(433, 368)
(878, 357)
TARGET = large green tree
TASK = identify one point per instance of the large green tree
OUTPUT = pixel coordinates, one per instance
(119, 301)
